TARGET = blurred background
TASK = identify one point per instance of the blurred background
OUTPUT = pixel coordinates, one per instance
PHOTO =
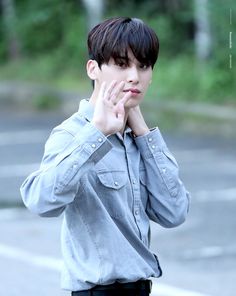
(192, 99)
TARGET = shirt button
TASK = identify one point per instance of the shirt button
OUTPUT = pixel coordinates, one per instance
(134, 182)
(116, 183)
(136, 212)
(164, 170)
(149, 139)
(100, 140)
(153, 146)
(93, 146)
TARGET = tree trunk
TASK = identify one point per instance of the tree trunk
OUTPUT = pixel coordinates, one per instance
(8, 11)
(203, 41)
(94, 9)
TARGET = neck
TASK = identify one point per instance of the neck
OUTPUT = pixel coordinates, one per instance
(93, 97)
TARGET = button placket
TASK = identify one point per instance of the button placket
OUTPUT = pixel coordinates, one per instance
(164, 170)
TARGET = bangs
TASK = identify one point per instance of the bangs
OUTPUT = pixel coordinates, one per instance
(138, 39)
(118, 36)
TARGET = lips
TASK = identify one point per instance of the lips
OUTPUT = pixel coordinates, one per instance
(132, 90)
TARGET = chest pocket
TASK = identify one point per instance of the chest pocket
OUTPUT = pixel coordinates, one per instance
(112, 192)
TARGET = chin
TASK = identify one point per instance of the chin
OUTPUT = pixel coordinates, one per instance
(132, 102)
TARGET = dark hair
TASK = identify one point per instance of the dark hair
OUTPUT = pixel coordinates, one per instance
(114, 37)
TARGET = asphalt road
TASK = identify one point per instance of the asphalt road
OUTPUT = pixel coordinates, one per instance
(198, 258)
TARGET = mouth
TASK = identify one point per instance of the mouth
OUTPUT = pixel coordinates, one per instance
(132, 90)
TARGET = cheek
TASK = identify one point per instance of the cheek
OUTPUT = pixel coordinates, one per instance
(148, 79)
(110, 73)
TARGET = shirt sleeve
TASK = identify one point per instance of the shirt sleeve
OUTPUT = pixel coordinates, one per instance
(168, 201)
(67, 157)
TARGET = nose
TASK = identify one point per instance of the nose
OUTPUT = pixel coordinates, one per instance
(133, 75)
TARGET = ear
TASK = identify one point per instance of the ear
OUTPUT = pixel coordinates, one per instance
(92, 69)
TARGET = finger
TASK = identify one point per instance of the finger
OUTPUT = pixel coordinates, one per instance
(125, 98)
(116, 91)
(110, 89)
(120, 106)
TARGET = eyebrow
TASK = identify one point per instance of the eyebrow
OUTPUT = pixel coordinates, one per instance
(122, 57)
(125, 59)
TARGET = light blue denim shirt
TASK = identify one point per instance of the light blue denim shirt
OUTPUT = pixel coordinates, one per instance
(108, 188)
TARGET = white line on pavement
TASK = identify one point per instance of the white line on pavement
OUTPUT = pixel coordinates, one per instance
(23, 137)
(55, 264)
(17, 213)
(18, 170)
(27, 257)
(209, 252)
(166, 290)
(190, 153)
(227, 194)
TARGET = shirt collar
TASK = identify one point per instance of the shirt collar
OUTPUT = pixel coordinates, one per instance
(86, 109)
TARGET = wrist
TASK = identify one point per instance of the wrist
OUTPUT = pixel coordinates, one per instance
(141, 132)
(98, 125)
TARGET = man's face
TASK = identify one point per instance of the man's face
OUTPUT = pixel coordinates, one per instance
(136, 76)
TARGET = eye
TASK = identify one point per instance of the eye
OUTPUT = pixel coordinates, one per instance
(121, 64)
(144, 66)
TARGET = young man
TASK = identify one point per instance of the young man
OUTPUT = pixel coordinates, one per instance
(108, 172)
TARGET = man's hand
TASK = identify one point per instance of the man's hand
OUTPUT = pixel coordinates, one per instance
(109, 112)
(136, 122)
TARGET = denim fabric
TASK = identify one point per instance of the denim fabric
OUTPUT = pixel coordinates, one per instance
(109, 188)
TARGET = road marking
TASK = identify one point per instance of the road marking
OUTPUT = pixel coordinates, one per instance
(28, 257)
(23, 137)
(11, 214)
(55, 264)
(209, 252)
(227, 194)
(19, 170)
(166, 290)
(189, 153)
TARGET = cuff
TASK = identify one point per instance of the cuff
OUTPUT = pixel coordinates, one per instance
(150, 143)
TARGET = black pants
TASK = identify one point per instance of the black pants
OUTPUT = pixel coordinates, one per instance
(140, 288)
(111, 293)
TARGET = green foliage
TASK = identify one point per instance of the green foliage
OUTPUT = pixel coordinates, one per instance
(53, 37)
(40, 25)
(183, 78)
(3, 45)
(46, 102)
